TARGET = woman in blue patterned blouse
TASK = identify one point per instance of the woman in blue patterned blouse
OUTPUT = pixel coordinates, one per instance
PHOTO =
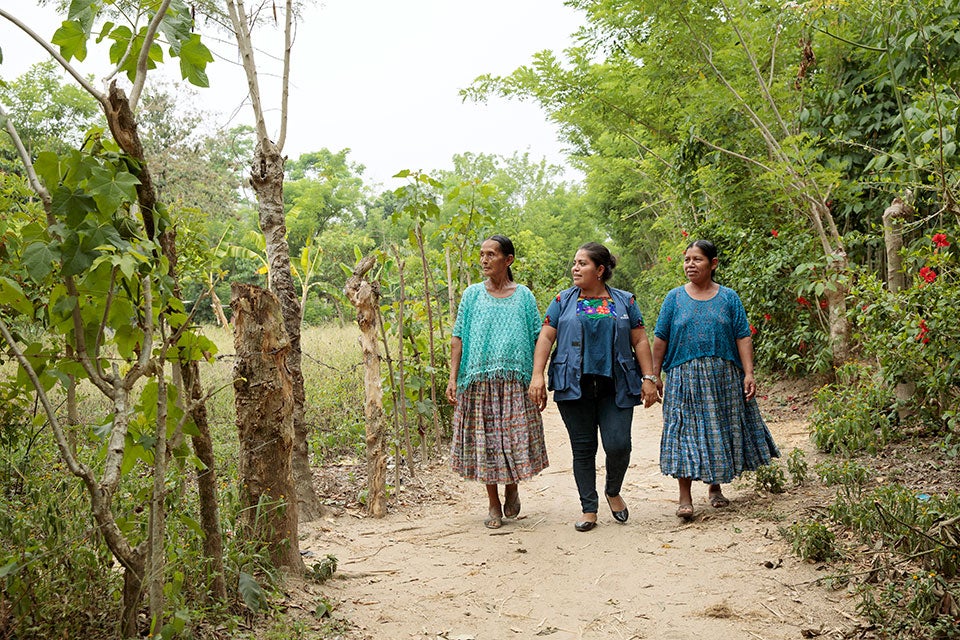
(712, 428)
(596, 374)
(497, 430)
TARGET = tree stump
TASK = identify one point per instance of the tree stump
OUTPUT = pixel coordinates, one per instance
(264, 402)
(365, 296)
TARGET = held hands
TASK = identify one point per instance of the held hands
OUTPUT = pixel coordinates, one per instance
(538, 391)
(652, 392)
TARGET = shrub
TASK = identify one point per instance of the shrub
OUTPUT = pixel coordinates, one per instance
(853, 414)
(811, 540)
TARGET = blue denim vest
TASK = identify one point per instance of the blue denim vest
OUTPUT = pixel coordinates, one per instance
(566, 361)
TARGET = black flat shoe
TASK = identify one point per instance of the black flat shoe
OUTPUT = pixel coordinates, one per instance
(622, 515)
(585, 525)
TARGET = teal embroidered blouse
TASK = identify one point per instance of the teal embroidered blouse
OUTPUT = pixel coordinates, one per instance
(498, 335)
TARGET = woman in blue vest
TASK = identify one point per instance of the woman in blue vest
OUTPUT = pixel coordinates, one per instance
(497, 430)
(712, 428)
(601, 369)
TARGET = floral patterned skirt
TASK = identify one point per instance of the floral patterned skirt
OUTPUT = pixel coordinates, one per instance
(710, 432)
(497, 433)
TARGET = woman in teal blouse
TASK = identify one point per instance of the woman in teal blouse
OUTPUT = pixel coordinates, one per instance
(497, 430)
(712, 428)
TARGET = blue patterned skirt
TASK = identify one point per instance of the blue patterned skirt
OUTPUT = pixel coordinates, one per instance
(710, 432)
(497, 433)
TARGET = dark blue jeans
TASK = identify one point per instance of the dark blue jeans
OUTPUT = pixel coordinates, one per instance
(597, 410)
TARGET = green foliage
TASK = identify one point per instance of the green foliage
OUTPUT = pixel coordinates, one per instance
(797, 467)
(811, 540)
(48, 114)
(853, 414)
(770, 478)
(847, 473)
(323, 570)
(914, 333)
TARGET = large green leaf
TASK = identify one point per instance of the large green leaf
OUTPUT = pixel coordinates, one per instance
(47, 166)
(78, 252)
(121, 39)
(251, 592)
(72, 205)
(84, 12)
(177, 26)
(111, 189)
(12, 295)
(72, 40)
(194, 57)
(39, 259)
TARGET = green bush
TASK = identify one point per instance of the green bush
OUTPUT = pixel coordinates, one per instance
(811, 540)
(853, 414)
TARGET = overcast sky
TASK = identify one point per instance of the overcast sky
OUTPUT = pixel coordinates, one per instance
(378, 76)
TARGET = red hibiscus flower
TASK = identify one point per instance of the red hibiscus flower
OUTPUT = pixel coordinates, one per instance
(774, 233)
(928, 274)
(823, 304)
(940, 240)
(753, 330)
(924, 330)
(766, 317)
(803, 302)
(684, 233)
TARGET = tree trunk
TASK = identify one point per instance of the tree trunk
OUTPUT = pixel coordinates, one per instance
(437, 429)
(217, 308)
(132, 592)
(838, 268)
(124, 128)
(157, 531)
(266, 177)
(264, 399)
(365, 296)
(893, 219)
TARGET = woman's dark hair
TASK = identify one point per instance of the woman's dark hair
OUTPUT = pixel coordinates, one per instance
(601, 257)
(709, 249)
(506, 248)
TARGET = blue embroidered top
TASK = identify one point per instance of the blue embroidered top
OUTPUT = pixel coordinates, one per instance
(598, 318)
(498, 335)
(699, 328)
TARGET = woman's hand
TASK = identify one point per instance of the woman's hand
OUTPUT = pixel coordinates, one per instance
(452, 392)
(538, 391)
(749, 386)
(650, 393)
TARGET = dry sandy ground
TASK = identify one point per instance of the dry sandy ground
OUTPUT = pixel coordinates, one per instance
(431, 570)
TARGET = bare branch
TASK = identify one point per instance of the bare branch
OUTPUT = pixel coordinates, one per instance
(756, 70)
(141, 77)
(143, 366)
(287, 46)
(77, 469)
(28, 164)
(50, 49)
(242, 32)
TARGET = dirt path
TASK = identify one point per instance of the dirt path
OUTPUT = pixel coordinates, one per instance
(431, 570)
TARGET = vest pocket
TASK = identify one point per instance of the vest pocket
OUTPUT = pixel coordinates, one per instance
(557, 373)
(631, 376)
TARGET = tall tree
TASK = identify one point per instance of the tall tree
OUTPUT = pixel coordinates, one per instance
(266, 178)
(108, 179)
(686, 112)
